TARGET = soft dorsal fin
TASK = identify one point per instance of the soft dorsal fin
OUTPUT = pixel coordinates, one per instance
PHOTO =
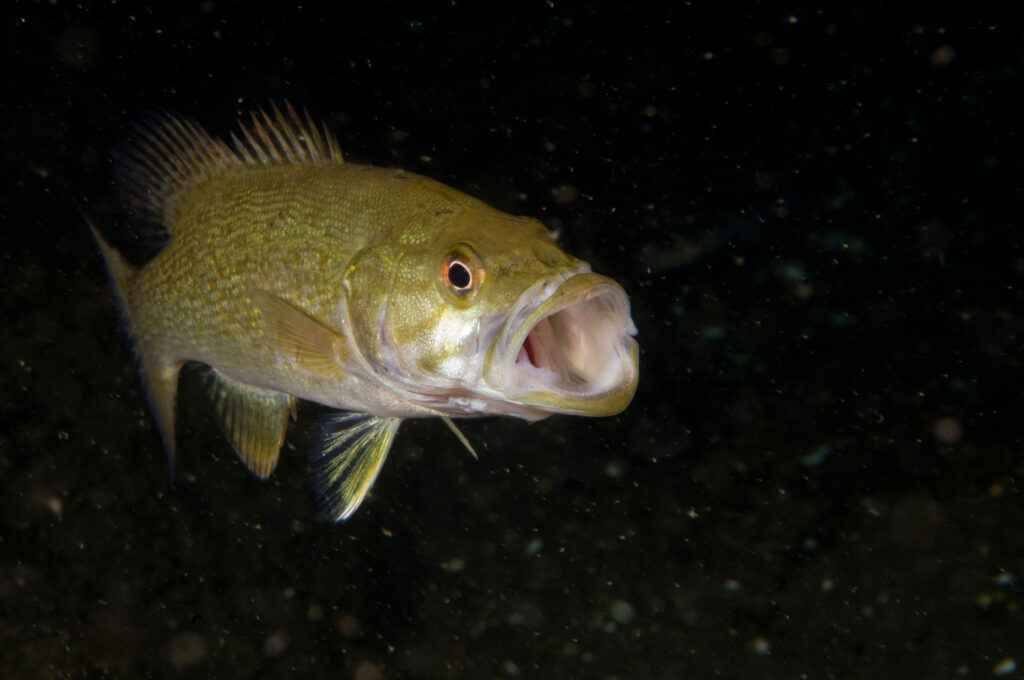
(163, 154)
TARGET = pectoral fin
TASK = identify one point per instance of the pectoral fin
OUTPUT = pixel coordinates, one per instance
(295, 335)
(347, 460)
(254, 421)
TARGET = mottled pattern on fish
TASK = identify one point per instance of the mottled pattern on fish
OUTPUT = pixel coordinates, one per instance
(293, 274)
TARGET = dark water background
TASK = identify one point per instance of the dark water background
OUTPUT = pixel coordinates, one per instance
(816, 213)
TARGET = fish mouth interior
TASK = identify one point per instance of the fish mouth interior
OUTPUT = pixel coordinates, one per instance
(578, 348)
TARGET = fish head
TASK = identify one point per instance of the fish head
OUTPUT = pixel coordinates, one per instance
(487, 315)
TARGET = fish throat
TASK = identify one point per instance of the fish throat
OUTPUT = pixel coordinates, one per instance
(569, 345)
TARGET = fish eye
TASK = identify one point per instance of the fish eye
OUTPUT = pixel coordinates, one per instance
(460, 275)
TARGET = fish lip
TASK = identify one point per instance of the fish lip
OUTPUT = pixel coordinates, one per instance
(582, 359)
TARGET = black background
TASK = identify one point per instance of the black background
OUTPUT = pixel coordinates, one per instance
(816, 215)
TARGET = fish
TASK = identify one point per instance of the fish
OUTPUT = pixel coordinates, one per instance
(291, 274)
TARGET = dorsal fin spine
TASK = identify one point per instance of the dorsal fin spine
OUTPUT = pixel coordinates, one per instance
(276, 129)
(164, 154)
(265, 138)
(314, 140)
(255, 146)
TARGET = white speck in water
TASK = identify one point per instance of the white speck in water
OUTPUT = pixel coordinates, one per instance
(613, 469)
(1005, 667)
(186, 649)
(622, 611)
(276, 643)
(760, 646)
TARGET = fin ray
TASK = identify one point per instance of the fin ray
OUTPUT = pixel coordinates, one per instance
(347, 460)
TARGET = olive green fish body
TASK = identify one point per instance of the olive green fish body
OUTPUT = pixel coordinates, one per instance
(295, 275)
(292, 231)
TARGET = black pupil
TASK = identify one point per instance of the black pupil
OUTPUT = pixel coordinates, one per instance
(459, 275)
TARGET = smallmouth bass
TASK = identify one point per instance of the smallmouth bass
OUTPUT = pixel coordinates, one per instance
(292, 275)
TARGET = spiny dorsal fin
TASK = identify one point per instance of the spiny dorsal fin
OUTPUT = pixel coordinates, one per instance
(163, 154)
(281, 138)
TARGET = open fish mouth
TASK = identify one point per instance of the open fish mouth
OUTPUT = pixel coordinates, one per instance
(567, 347)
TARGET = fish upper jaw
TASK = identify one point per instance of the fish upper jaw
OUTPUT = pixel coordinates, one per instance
(567, 346)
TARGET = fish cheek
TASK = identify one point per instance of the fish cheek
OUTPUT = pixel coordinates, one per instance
(426, 325)
(414, 309)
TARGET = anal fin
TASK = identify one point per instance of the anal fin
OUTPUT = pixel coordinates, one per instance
(347, 460)
(254, 420)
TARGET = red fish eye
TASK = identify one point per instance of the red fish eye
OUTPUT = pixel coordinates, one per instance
(458, 275)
